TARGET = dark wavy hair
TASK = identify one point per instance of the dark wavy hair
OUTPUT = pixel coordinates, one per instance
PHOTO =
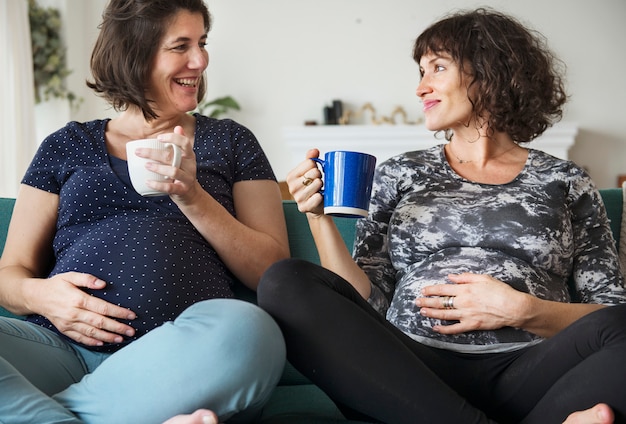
(515, 80)
(129, 38)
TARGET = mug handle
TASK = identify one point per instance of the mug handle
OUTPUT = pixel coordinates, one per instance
(178, 154)
(323, 163)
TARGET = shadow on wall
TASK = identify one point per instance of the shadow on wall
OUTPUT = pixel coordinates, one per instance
(598, 153)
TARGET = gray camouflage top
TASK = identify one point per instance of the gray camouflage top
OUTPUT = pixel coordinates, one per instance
(545, 233)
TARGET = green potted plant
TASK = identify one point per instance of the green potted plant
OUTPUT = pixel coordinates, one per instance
(49, 61)
(217, 107)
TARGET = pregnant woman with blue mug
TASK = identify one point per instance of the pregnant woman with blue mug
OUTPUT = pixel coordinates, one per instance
(484, 285)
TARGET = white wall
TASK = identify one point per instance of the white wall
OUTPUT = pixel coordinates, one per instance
(284, 60)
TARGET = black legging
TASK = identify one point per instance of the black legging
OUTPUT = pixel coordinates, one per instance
(336, 339)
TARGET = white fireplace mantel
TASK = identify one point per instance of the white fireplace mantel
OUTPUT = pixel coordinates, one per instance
(384, 141)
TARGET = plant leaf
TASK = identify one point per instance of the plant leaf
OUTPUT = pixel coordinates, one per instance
(226, 102)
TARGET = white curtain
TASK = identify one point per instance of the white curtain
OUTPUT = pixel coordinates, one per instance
(17, 125)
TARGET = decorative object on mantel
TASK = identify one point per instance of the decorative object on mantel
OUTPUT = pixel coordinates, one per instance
(49, 66)
(367, 107)
(332, 114)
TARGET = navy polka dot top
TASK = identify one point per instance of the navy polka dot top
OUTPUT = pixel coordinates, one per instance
(154, 261)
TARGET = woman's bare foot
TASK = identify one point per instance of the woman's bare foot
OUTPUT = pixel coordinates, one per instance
(599, 414)
(201, 416)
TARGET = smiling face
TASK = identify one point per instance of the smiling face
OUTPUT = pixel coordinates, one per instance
(443, 89)
(178, 65)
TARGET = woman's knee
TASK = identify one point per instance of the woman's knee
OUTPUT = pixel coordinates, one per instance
(233, 316)
(611, 321)
(240, 329)
(284, 271)
(285, 281)
(600, 328)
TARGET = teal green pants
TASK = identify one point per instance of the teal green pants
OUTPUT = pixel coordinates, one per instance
(222, 354)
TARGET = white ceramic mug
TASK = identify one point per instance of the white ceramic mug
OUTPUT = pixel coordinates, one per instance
(137, 166)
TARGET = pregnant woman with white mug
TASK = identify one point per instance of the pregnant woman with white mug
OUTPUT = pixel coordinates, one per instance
(128, 298)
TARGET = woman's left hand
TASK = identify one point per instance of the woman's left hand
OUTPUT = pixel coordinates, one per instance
(475, 302)
(183, 183)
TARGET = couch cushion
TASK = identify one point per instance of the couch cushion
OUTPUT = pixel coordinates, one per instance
(6, 209)
(301, 241)
(305, 404)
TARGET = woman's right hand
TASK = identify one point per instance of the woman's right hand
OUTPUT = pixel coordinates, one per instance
(305, 183)
(80, 316)
(333, 253)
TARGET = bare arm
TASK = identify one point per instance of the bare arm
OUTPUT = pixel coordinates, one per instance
(335, 256)
(28, 249)
(255, 239)
(28, 255)
(330, 245)
(546, 318)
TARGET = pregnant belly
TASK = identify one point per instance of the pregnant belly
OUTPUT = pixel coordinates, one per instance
(154, 278)
(434, 270)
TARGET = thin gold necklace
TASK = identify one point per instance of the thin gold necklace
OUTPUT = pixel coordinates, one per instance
(456, 156)
(461, 161)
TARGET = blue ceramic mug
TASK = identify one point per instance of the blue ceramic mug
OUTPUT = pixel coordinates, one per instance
(348, 180)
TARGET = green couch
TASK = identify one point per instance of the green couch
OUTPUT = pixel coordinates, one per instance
(296, 400)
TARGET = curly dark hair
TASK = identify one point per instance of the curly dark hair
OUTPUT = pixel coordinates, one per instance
(129, 38)
(518, 81)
